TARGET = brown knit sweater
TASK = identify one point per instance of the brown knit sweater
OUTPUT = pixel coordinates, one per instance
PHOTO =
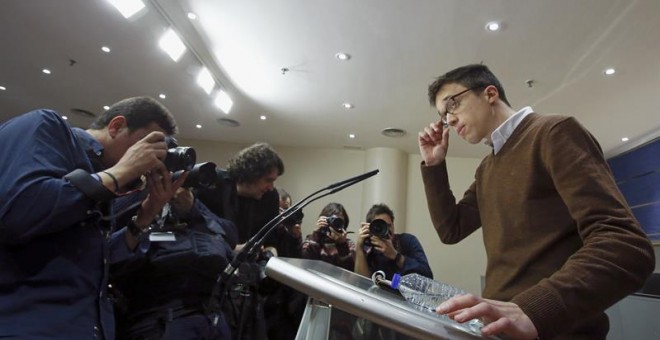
(560, 239)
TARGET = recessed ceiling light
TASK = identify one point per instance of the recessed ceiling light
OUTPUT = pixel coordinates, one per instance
(2, 88)
(105, 49)
(106, 107)
(343, 56)
(46, 71)
(127, 8)
(347, 106)
(223, 101)
(625, 139)
(198, 126)
(172, 44)
(262, 117)
(192, 16)
(351, 136)
(162, 96)
(65, 117)
(493, 26)
(609, 71)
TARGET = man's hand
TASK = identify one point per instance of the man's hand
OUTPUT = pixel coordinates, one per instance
(384, 246)
(433, 143)
(182, 201)
(145, 156)
(363, 235)
(161, 190)
(498, 317)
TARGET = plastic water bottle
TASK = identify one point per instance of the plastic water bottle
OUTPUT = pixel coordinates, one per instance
(429, 294)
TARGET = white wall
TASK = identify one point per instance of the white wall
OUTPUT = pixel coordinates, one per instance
(307, 170)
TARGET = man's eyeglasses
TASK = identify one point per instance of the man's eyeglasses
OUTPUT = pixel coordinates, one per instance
(450, 106)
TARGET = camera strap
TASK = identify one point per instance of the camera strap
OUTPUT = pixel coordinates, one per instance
(89, 186)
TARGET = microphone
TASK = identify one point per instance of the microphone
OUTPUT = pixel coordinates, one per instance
(254, 243)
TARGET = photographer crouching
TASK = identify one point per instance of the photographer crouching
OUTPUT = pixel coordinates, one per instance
(329, 242)
(165, 293)
(380, 248)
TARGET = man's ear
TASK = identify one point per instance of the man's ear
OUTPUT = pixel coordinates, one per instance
(492, 93)
(116, 125)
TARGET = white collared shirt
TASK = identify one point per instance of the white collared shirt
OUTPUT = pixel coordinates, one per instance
(504, 131)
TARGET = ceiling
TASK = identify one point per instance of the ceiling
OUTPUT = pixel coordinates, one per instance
(397, 48)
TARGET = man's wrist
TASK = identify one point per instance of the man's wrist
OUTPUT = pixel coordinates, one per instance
(136, 230)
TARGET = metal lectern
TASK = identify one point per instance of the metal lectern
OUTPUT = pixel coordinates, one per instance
(340, 298)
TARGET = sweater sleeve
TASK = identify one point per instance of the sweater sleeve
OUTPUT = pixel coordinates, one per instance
(453, 222)
(616, 256)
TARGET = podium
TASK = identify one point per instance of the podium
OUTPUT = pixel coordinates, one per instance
(342, 301)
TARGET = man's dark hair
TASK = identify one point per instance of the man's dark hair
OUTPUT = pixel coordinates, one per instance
(475, 77)
(379, 209)
(335, 209)
(139, 112)
(254, 162)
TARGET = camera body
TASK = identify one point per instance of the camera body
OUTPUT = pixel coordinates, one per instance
(179, 157)
(335, 222)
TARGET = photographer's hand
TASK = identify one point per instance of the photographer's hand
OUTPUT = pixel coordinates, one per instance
(144, 156)
(182, 201)
(384, 246)
(363, 235)
(339, 237)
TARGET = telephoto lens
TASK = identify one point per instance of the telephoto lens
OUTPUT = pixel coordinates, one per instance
(379, 228)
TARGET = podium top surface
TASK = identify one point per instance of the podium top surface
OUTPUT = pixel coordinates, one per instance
(359, 296)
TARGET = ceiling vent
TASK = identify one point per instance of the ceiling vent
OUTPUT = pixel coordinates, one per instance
(393, 132)
(228, 122)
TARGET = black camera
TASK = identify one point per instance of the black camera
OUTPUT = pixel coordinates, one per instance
(380, 229)
(202, 176)
(335, 222)
(179, 157)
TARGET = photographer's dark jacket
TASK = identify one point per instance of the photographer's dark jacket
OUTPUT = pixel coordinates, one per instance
(176, 276)
(54, 251)
(414, 258)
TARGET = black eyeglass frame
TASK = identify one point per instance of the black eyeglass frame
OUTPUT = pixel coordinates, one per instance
(454, 104)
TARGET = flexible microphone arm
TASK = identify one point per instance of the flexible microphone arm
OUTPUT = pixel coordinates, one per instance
(254, 243)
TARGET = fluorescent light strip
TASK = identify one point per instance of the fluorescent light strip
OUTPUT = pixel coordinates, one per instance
(205, 80)
(172, 44)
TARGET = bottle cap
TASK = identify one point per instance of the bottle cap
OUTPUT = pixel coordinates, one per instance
(396, 278)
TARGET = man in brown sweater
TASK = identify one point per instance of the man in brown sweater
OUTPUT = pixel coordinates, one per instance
(561, 242)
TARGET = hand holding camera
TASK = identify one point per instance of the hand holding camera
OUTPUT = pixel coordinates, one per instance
(376, 235)
(332, 227)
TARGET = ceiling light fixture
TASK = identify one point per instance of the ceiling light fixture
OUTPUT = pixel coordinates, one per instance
(106, 107)
(172, 44)
(46, 71)
(192, 16)
(351, 135)
(262, 117)
(493, 26)
(625, 139)
(2, 88)
(343, 56)
(609, 71)
(205, 80)
(198, 126)
(347, 106)
(223, 101)
(127, 8)
(162, 96)
(105, 49)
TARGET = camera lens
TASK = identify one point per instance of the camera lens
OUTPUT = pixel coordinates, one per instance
(379, 228)
(202, 175)
(180, 158)
(336, 222)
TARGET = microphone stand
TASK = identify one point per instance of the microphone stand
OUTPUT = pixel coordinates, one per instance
(251, 247)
